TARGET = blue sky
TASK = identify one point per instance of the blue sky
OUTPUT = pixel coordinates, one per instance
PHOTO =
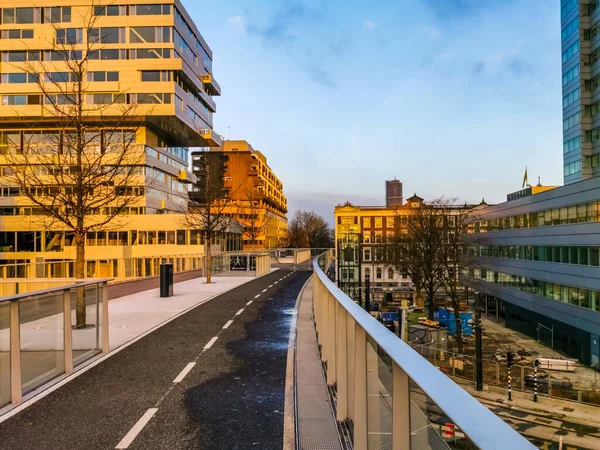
(453, 97)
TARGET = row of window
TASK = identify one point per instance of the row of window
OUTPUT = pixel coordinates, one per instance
(132, 10)
(571, 98)
(572, 144)
(580, 255)
(55, 14)
(571, 74)
(581, 213)
(566, 6)
(16, 34)
(92, 99)
(572, 168)
(204, 58)
(164, 158)
(571, 28)
(101, 54)
(585, 298)
(571, 121)
(17, 138)
(29, 211)
(571, 51)
(57, 77)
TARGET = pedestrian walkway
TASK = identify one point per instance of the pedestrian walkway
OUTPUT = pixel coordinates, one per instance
(317, 427)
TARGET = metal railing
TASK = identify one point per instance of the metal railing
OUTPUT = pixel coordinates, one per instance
(40, 338)
(386, 393)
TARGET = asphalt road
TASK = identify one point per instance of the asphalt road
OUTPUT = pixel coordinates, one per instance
(232, 398)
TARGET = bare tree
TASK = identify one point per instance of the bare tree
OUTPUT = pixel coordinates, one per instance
(210, 211)
(414, 249)
(308, 229)
(454, 255)
(78, 163)
(253, 216)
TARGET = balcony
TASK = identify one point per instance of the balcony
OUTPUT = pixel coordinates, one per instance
(211, 138)
(211, 85)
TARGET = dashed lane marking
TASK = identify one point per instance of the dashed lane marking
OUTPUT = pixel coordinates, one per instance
(256, 296)
(227, 324)
(211, 342)
(184, 372)
(239, 312)
(264, 290)
(249, 303)
(139, 426)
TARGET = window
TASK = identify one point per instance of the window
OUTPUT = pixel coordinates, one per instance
(155, 75)
(571, 98)
(572, 144)
(57, 14)
(21, 15)
(367, 254)
(106, 35)
(149, 10)
(379, 274)
(367, 274)
(151, 99)
(69, 36)
(367, 222)
(60, 77)
(62, 55)
(108, 54)
(150, 53)
(570, 28)
(18, 78)
(389, 222)
(106, 99)
(103, 76)
(16, 34)
(571, 121)
(570, 52)
(111, 11)
(62, 99)
(148, 35)
(378, 222)
(390, 274)
(21, 100)
(571, 74)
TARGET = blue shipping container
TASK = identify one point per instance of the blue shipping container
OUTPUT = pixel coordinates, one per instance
(447, 320)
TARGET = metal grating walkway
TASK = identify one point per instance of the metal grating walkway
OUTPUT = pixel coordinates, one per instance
(317, 427)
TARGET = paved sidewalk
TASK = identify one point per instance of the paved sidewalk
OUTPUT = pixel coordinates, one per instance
(317, 426)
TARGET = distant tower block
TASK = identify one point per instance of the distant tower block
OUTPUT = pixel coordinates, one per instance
(393, 193)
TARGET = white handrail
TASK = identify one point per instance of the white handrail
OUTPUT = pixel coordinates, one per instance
(479, 424)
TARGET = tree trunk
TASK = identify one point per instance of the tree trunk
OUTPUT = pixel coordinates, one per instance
(208, 258)
(456, 306)
(430, 302)
(80, 276)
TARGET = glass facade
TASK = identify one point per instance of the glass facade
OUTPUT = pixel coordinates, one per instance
(576, 296)
(579, 255)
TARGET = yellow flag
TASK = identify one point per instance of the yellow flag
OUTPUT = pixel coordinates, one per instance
(525, 178)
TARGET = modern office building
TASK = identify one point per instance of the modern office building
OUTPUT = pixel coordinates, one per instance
(144, 53)
(393, 193)
(536, 256)
(580, 22)
(255, 193)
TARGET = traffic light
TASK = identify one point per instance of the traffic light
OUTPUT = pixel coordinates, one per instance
(510, 358)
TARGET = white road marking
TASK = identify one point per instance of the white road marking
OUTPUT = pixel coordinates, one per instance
(239, 312)
(249, 303)
(256, 296)
(184, 372)
(139, 426)
(276, 282)
(264, 290)
(227, 324)
(270, 285)
(211, 342)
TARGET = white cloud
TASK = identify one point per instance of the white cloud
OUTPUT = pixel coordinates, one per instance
(238, 23)
(431, 32)
(369, 24)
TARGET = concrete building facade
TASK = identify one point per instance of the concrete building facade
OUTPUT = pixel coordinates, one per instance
(393, 193)
(145, 52)
(255, 193)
